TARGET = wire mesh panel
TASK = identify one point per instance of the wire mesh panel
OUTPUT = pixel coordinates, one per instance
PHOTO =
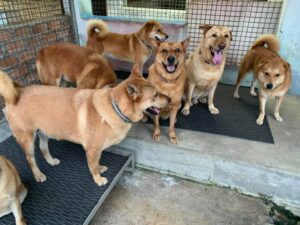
(163, 10)
(247, 20)
(25, 27)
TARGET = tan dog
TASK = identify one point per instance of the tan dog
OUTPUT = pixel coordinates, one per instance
(81, 66)
(205, 67)
(271, 71)
(12, 191)
(167, 74)
(95, 118)
(134, 47)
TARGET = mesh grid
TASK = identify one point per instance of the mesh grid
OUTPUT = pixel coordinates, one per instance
(164, 10)
(25, 27)
(247, 20)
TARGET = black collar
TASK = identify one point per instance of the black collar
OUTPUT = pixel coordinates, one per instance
(205, 60)
(119, 112)
(147, 45)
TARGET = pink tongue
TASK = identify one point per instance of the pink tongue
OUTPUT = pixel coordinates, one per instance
(218, 58)
(171, 68)
(156, 110)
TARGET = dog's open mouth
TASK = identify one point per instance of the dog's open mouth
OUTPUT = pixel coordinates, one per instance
(217, 55)
(158, 39)
(170, 68)
(153, 110)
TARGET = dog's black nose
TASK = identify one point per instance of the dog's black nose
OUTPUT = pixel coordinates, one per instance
(167, 36)
(171, 59)
(269, 86)
(222, 46)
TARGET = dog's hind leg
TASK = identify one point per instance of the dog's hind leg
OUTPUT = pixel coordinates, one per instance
(26, 140)
(45, 149)
(244, 68)
(15, 206)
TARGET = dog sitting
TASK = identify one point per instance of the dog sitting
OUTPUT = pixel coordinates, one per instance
(270, 70)
(12, 191)
(167, 74)
(205, 67)
(95, 118)
(75, 64)
(134, 47)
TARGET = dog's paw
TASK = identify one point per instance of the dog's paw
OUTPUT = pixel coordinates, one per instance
(156, 137)
(203, 100)
(54, 162)
(214, 110)
(259, 121)
(253, 93)
(103, 169)
(185, 111)
(278, 117)
(40, 177)
(100, 181)
(195, 101)
(236, 95)
(174, 140)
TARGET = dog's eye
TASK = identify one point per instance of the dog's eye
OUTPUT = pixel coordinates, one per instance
(177, 50)
(156, 95)
(226, 36)
(267, 74)
(164, 50)
(277, 75)
(215, 35)
(158, 30)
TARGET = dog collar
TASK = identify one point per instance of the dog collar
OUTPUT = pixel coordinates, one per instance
(167, 80)
(147, 45)
(119, 112)
(206, 61)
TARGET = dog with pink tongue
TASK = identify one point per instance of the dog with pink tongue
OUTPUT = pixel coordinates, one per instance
(205, 66)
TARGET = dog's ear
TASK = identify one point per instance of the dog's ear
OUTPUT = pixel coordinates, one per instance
(287, 66)
(262, 63)
(185, 43)
(133, 91)
(149, 25)
(230, 35)
(205, 28)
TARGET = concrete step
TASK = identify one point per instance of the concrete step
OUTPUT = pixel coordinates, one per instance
(254, 168)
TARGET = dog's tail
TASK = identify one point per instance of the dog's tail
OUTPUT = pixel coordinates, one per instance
(270, 40)
(8, 89)
(96, 28)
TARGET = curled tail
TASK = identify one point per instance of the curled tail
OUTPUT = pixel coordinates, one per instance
(269, 39)
(96, 28)
(8, 89)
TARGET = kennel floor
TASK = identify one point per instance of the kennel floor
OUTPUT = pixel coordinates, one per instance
(69, 196)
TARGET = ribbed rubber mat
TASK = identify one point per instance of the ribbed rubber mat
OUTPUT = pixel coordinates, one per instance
(237, 118)
(69, 194)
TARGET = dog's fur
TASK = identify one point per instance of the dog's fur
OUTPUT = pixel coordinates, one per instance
(12, 191)
(269, 69)
(205, 67)
(84, 116)
(81, 66)
(167, 74)
(133, 47)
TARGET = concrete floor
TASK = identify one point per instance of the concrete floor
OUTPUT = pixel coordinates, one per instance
(149, 198)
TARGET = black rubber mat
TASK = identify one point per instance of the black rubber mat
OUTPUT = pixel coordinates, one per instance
(69, 194)
(237, 118)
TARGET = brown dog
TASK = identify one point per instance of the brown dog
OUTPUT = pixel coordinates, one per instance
(271, 71)
(95, 118)
(82, 66)
(167, 74)
(134, 47)
(204, 68)
(12, 191)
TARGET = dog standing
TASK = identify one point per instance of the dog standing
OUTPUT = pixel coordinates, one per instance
(134, 47)
(205, 67)
(270, 70)
(12, 191)
(167, 74)
(81, 66)
(95, 118)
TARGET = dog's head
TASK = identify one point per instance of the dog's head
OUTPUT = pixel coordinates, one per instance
(137, 95)
(154, 30)
(216, 41)
(170, 56)
(273, 72)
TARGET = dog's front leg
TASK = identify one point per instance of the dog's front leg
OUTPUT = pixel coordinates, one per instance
(173, 114)
(277, 107)
(188, 102)
(262, 105)
(156, 134)
(93, 157)
(211, 107)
